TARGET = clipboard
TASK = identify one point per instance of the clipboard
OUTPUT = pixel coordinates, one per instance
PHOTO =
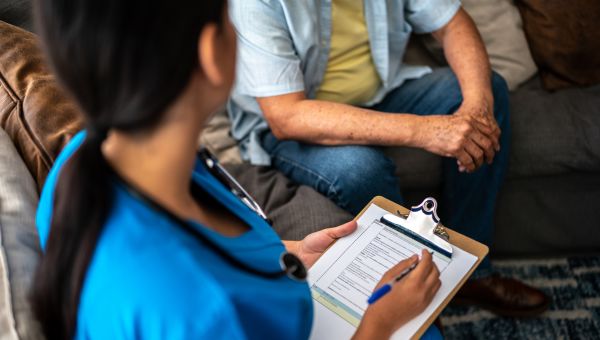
(456, 239)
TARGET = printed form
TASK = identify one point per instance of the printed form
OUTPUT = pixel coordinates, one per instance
(345, 276)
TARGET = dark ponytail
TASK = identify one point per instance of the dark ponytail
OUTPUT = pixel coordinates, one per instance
(82, 201)
(123, 62)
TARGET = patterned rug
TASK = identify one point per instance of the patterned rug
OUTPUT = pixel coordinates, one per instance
(574, 285)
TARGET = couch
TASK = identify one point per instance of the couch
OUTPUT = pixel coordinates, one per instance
(548, 206)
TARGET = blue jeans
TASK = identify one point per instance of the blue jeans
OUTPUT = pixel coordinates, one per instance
(352, 175)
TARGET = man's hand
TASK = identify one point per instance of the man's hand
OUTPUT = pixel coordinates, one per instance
(483, 111)
(466, 55)
(465, 136)
(312, 246)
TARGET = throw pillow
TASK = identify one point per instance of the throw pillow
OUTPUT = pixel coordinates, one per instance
(34, 111)
(19, 244)
(565, 40)
(499, 24)
(501, 28)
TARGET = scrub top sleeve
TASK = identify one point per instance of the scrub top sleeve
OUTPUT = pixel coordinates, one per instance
(267, 63)
(426, 16)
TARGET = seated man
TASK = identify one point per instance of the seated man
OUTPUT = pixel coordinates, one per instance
(321, 86)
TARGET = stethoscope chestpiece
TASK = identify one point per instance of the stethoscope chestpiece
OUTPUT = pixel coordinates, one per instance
(293, 266)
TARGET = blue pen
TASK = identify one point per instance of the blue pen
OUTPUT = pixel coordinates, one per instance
(388, 286)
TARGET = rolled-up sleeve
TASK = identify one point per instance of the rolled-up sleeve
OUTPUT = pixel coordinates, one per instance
(426, 16)
(267, 61)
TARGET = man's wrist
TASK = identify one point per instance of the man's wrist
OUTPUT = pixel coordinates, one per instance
(479, 98)
(412, 127)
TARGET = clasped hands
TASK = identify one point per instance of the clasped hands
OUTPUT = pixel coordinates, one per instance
(471, 135)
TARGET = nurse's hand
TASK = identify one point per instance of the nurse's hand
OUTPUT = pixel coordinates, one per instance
(407, 299)
(312, 246)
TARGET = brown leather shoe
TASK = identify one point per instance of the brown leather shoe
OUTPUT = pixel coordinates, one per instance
(503, 296)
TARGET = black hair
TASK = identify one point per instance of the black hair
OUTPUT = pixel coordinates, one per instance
(124, 62)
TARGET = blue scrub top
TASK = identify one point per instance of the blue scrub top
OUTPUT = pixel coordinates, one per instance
(149, 279)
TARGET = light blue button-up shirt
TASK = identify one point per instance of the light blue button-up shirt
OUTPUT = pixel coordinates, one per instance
(283, 47)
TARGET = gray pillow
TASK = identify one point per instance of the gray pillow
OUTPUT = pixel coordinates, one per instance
(19, 244)
(501, 28)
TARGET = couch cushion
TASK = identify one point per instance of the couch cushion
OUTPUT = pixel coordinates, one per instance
(564, 37)
(19, 245)
(34, 112)
(548, 215)
(554, 133)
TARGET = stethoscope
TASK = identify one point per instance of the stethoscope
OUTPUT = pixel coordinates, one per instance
(290, 264)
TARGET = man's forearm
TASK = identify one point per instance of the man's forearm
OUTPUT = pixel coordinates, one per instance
(293, 117)
(337, 124)
(466, 55)
(329, 123)
(468, 59)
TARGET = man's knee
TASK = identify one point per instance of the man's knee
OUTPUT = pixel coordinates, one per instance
(448, 89)
(363, 173)
(361, 166)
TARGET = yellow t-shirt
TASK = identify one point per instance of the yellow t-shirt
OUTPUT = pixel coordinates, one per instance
(351, 77)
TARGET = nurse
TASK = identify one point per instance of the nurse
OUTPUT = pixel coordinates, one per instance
(140, 239)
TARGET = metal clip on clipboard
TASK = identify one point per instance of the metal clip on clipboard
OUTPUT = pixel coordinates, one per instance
(423, 225)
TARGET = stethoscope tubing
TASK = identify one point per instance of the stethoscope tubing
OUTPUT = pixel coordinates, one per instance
(294, 270)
